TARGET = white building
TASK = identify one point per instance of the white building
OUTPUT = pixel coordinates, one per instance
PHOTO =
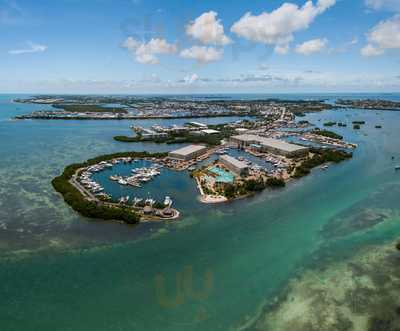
(188, 153)
(198, 125)
(237, 167)
(270, 145)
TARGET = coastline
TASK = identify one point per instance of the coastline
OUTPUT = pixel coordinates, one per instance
(86, 204)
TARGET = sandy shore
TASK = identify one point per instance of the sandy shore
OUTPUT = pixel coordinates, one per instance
(212, 199)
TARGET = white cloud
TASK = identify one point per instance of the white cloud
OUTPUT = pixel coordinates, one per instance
(263, 66)
(383, 36)
(190, 79)
(312, 46)
(31, 48)
(282, 49)
(371, 50)
(277, 28)
(383, 4)
(146, 52)
(208, 29)
(202, 54)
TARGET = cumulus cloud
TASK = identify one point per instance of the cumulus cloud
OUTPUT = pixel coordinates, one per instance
(263, 66)
(190, 79)
(208, 29)
(311, 46)
(383, 4)
(202, 54)
(31, 48)
(384, 36)
(146, 53)
(277, 28)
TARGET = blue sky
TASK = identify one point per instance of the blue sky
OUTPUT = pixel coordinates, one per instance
(155, 46)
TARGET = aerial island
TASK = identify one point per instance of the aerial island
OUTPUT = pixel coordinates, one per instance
(374, 104)
(126, 107)
(229, 161)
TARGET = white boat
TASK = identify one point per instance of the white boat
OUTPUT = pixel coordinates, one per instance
(124, 199)
(122, 182)
(150, 201)
(136, 200)
(167, 201)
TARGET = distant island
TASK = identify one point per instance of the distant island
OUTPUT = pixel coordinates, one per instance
(126, 107)
(370, 104)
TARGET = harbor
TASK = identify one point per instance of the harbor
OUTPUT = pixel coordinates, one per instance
(277, 233)
(104, 183)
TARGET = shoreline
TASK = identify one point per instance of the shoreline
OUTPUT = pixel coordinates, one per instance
(88, 205)
(121, 118)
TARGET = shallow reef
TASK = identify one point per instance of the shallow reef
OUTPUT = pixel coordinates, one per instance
(360, 294)
(379, 207)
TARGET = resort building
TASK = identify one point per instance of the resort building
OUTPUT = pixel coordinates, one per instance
(237, 167)
(198, 125)
(209, 131)
(188, 153)
(274, 146)
(204, 132)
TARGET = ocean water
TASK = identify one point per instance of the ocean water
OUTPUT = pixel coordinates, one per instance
(215, 269)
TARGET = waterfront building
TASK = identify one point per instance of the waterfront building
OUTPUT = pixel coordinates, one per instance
(155, 135)
(209, 131)
(179, 129)
(271, 145)
(198, 125)
(204, 132)
(188, 153)
(237, 167)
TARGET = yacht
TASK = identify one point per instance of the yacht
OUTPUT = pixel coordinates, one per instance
(136, 200)
(167, 201)
(124, 199)
(150, 202)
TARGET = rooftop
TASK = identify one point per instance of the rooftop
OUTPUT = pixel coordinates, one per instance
(210, 131)
(275, 143)
(201, 125)
(235, 162)
(189, 150)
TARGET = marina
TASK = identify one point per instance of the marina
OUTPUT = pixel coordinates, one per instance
(280, 228)
(200, 166)
(94, 184)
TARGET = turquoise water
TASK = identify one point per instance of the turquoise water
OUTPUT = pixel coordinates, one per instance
(215, 269)
(178, 185)
(222, 175)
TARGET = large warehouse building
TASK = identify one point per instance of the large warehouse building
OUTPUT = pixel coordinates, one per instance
(237, 167)
(269, 145)
(188, 153)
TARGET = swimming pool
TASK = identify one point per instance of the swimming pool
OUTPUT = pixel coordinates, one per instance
(222, 175)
